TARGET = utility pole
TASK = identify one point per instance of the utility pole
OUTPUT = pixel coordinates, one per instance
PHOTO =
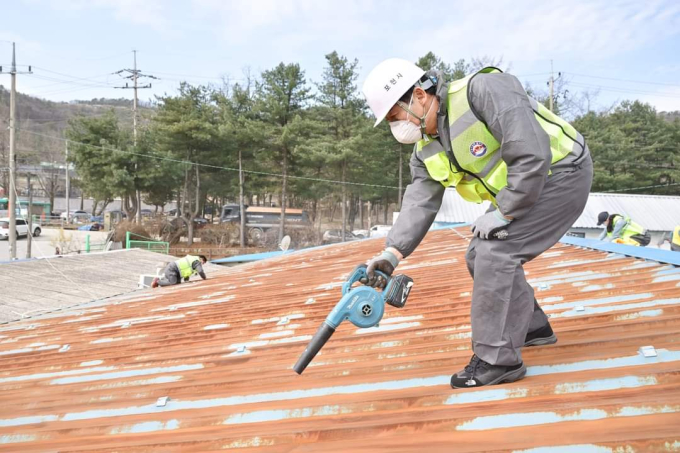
(135, 75)
(68, 189)
(12, 157)
(241, 204)
(29, 237)
(551, 84)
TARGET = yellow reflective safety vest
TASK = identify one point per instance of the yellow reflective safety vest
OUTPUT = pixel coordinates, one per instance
(477, 171)
(631, 229)
(676, 236)
(185, 265)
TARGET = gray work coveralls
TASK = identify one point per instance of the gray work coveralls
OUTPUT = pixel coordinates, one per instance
(543, 205)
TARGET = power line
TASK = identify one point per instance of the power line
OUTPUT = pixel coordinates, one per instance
(261, 173)
(218, 167)
(196, 76)
(639, 164)
(643, 187)
(62, 91)
(626, 90)
(57, 81)
(70, 76)
(624, 80)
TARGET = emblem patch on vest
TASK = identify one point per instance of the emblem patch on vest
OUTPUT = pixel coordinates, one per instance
(477, 149)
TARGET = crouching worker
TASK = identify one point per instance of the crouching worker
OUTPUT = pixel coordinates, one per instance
(181, 269)
(622, 230)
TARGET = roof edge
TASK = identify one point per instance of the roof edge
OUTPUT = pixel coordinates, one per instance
(662, 256)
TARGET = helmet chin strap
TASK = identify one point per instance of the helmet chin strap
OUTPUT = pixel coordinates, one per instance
(422, 119)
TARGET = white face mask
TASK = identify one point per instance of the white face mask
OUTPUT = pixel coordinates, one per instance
(407, 132)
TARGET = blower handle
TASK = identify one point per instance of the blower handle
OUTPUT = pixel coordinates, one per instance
(320, 338)
(359, 273)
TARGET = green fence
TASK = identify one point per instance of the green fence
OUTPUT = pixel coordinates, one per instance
(147, 244)
(94, 246)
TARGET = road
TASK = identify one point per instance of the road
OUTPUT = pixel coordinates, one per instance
(49, 239)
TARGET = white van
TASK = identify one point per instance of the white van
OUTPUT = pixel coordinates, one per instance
(22, 228)
(379, 231)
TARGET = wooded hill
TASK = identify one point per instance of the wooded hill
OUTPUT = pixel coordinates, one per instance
(51, 119)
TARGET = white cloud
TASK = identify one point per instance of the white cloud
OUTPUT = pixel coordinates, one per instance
(526, 30)
(291, 23)
(148, 12)
(517, 29)
(588, 30)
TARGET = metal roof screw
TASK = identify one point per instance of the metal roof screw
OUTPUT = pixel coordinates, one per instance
(172, 308)
(648, 351)
(31, 327)
(241, 349)
(580, 308)
(283, 321)
(310, 301)
(65, 348)
(542, 286)
(162, 401)
(125, 325)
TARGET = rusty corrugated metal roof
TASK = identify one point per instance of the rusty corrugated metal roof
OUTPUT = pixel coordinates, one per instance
(222, 351)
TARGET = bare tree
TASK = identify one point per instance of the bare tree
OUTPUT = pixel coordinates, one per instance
(477, 63)
(49, 181)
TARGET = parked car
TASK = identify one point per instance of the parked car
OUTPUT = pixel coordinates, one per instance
(21, 228)
(361, 233)
(147, 213)
(117, 215)
(97, 219)
(77, 216)
(91, 227)
(334, 236)
(200, 222)
(379, 231)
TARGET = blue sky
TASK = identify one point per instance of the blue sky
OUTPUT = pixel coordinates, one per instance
(624, 49)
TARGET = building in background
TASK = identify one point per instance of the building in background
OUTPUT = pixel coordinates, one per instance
(659, 214)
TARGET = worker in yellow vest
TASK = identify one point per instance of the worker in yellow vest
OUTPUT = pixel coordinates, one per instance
(672, 237)
(483, 136)
(182, 269)
(623, 230)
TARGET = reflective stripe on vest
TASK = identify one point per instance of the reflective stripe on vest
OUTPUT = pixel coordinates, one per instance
(676, 236)
(631, 228)
(185, 266)
(482, 172)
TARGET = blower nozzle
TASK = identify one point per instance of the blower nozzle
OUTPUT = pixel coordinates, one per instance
(315, 344)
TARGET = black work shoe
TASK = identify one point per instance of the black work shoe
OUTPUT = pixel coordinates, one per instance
(539, 337)
(479, 373)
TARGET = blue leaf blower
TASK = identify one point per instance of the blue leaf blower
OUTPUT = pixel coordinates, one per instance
(363, 306)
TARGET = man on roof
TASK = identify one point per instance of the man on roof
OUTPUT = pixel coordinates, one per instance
(621, 229)
(673, 237)
(483, 136)
(183, 268)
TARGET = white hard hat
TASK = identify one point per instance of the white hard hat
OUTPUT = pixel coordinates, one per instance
(387, 83)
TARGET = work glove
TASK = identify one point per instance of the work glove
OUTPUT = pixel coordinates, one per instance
(385, 263)
(491, 223)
